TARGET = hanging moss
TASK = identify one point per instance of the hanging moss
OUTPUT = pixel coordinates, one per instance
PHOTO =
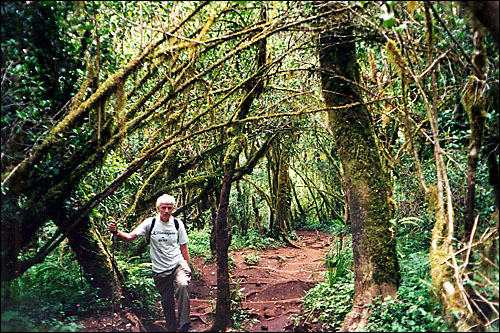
(395, 57)
(432, 197)
(412, 6)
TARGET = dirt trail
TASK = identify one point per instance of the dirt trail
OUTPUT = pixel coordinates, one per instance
(272, 289)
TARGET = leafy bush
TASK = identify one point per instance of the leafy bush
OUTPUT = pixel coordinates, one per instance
(199, 243)
(251, 259)
(253, 240)
(63, 291)
(412, 310)
(328, 304)
(13, 321)
(139, 280)
(57, 289)
(405, 313)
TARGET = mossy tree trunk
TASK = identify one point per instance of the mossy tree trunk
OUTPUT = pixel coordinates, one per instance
(376, 269)
(281, 190)
(446, 279)
(474, 101)
(254, 88)
(95, 260)
(223, 306)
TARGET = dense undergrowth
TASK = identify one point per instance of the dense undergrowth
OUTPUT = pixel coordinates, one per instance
(48, 297)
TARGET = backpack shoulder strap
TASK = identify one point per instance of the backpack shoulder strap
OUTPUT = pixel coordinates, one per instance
(148, 239)
(176, 222)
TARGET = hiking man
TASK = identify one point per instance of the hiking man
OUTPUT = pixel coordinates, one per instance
(170, 260)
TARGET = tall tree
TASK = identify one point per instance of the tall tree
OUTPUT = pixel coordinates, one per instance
(280, 188)
(376, 269)
(254, 88)
(474, 100)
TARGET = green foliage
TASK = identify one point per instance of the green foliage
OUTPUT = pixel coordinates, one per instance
(414, 308)
(338, 262)
(139, 280)
(253, 240)
(328, 304)
(334, 227)
(13, 321)
(251, 259)
(64, 292)
(239, 315)
(414, 234)
(38, 69)
(43, 47)
(199, 243)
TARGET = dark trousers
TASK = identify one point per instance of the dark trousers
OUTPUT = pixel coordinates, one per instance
(175, 281)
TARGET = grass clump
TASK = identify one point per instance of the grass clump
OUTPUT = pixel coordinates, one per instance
(253, 240)
(251, 259)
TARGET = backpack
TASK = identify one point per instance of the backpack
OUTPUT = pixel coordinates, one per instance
(176, 223)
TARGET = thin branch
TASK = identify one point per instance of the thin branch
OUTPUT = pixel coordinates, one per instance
(434, 63)
(469, 60)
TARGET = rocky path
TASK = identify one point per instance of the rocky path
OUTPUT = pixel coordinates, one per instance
(272, 289)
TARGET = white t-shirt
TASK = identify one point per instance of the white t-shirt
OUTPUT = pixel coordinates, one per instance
(165, 252)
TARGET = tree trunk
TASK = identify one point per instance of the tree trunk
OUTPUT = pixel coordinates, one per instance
(281, 191)
(376, 269)
(254, 88)
(95, 261)
(474, 101)
(487, 13)
(454, 303)
(223, 306)
(213, 223)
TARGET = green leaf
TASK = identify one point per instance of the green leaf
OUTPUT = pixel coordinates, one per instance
(388, 19)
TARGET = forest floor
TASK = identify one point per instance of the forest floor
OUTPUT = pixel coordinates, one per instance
(271, 290)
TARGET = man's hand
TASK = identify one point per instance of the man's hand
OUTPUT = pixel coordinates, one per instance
(113, 227)
(123, 236)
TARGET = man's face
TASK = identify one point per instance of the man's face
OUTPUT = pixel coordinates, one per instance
(165, 211)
